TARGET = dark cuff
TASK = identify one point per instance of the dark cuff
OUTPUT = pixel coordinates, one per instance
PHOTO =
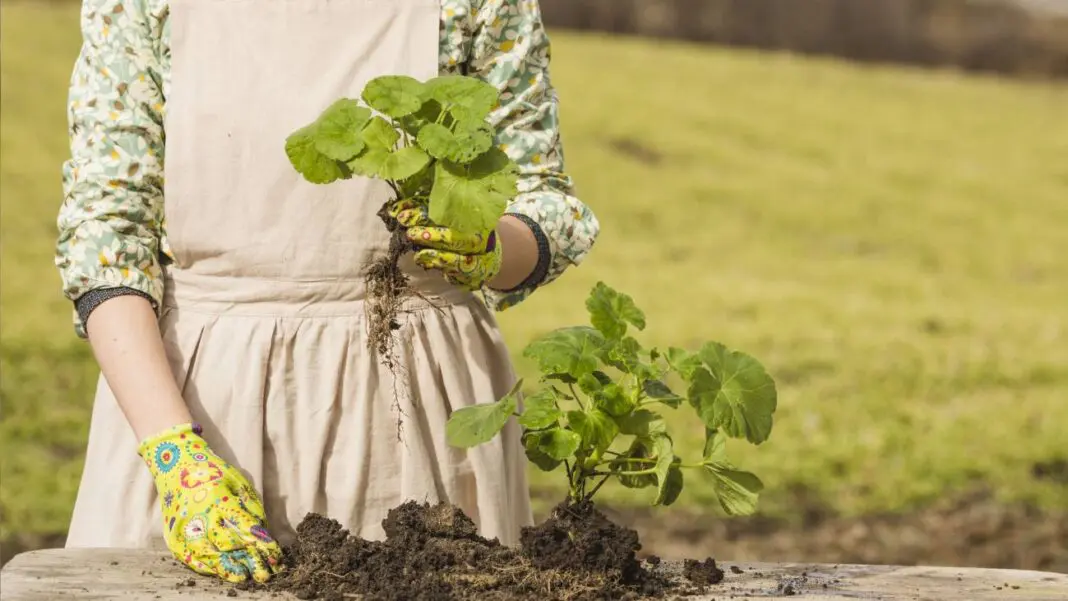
(89, 301)
(545, 255)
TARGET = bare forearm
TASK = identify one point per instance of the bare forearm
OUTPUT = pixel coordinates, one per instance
(126, 341)
(519, 253)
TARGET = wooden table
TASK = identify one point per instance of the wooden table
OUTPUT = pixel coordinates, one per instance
(126, 575)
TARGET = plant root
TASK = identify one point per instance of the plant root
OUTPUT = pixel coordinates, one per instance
(387, 287)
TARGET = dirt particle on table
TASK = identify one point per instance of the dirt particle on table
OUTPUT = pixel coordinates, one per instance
(736, 570)
(789, 587)
(702, 573)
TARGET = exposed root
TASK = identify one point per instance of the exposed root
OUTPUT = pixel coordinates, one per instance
(387, 287)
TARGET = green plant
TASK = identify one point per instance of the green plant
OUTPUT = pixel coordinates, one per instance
(597, 412)
(432, 143)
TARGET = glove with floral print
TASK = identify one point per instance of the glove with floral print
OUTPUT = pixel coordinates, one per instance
(467, 260)
(213, 519)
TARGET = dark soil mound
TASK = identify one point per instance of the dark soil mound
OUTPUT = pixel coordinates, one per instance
(433, 552)
(580, 535)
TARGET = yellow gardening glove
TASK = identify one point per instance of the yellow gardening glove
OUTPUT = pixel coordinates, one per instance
(213, 519)
(467, 260)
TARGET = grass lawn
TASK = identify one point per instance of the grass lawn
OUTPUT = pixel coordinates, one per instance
(889, 242)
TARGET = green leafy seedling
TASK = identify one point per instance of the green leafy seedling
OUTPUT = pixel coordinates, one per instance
(433, 143)
(598, 409)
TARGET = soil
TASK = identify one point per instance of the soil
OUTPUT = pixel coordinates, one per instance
(434, 552)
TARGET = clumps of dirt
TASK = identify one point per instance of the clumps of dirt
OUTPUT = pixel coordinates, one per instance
(702, 573)
(579, 536)
(387, 286)
(433, 552)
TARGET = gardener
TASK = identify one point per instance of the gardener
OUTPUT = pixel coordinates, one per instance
(218, 288)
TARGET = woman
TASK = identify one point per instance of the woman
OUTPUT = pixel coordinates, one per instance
(223, 295)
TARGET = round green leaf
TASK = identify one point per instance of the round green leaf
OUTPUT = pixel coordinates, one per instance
(531, 444)
(471, 199)
(337, 130)
(625, 354)
(613, 401)
(471, 426)
(313, 165)
(682, 361)
(460, 146)
(657, 389)
(596, 427)
(383, 164)
(663, 449)
(642, 423)
(611, 311)
(394, 95)
(715, 446)
(589, 384)
(404, 163)
(569, 351)
(732, 392)
(466, 98)
(380, 134)
(558, 443)
(670, 488)
(738, 491)
(540, 411)
(427, 114)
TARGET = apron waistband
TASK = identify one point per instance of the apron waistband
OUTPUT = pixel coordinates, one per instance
(261, 296)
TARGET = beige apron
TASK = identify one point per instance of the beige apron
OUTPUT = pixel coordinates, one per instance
(263, 319)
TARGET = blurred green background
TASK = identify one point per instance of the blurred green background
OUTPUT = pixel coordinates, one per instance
(889, 241)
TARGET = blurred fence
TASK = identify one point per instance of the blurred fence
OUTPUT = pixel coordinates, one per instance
(1017, 37)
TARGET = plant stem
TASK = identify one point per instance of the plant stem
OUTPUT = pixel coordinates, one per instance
(596, 488)
(651, 401)
(643, 461)
(396, 190)
(645, 472)
(628, 460)
(575, 394)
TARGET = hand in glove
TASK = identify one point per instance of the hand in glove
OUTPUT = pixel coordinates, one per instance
(213, 519)
(467, 260)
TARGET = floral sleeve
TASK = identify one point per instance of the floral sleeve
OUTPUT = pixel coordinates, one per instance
(109, 223)
(510, 49)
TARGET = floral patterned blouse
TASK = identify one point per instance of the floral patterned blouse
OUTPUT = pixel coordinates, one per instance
(112, 239)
